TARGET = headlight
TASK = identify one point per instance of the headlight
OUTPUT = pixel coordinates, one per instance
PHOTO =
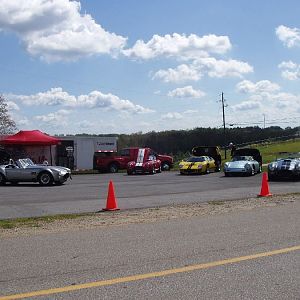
(181, 165)
(226, 165)
(200, 167)
(272, 166)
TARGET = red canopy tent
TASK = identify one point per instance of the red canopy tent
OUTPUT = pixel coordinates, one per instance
(32, 138)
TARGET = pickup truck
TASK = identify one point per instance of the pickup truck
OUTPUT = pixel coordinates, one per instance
(110, 161)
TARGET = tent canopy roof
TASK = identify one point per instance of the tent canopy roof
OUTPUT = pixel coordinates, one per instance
(30, 137)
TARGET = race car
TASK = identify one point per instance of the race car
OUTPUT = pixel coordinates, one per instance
(285, 167)
(197, 165)
(246, 161)
(145, 163)
(24, 170)
(243, 165)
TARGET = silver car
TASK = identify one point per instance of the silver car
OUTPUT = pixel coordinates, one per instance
(246, 165)
(24, 170)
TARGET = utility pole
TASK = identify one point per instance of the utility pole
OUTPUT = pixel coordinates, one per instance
(224, 127)
(264, 121)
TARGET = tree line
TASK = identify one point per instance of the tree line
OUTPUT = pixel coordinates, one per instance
(182, 141)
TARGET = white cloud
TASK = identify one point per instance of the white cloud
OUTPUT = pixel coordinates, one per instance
(180, 74)
(269, 103)
(95, 99)
(177, 45)
(12, 106)
(190, 111)
(210, 65)
(56, 119)
(53, 97)
(246, 106)
(263, 86)
(289, 36)
(289, 75)
(172, 116)
(186, 92)
(290, 70)
(85, 124)
(287, 65)
(55, 30)
(222, 68)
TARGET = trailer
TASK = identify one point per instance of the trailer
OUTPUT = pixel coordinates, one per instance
(77, 152)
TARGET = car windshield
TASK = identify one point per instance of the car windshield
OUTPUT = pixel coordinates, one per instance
(196, 159)
(238, 158)
(24, 163)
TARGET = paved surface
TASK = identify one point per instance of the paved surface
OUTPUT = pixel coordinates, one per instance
(52, 260)
(87, 193)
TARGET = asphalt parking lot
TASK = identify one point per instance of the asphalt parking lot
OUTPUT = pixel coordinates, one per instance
(87, 193)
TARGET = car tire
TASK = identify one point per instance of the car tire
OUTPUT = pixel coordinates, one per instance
(153, 171)
(2, 179)
(113, 168)
(226, 174)
(45, 178)
(129, 172)
(207, 171)
(165, 166)
(259, 169)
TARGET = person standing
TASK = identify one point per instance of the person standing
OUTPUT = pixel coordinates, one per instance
(232, 148)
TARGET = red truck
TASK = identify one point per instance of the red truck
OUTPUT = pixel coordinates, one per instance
(112, 162)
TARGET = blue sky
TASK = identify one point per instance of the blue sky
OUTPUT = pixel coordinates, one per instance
(129, 66)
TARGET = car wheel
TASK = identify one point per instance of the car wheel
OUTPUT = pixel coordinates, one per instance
(129, 172)
(2, 179)
(226, 174)
(165, 166)
(113, 168)
(159, 170)
(152, 171)
(207, 170)
(45, 178)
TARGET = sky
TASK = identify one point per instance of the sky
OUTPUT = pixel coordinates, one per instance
(101, 67)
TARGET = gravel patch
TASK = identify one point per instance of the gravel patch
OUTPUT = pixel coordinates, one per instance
(150, 215)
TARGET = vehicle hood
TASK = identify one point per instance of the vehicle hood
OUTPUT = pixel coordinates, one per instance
(237, 164)
(286, 163)
(187, 164)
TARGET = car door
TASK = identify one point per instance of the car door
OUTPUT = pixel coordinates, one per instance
(12, 172)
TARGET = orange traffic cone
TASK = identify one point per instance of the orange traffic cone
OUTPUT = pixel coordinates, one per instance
(265, 192)
(111, 202)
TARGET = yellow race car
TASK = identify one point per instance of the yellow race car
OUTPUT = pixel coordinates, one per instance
(197, 165)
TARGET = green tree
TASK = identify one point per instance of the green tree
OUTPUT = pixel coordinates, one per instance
(7, 125)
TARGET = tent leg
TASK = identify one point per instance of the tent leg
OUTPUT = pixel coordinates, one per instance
(51, 155)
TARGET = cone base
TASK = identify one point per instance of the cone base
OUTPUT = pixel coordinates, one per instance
(110, 209)
(268, 195)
